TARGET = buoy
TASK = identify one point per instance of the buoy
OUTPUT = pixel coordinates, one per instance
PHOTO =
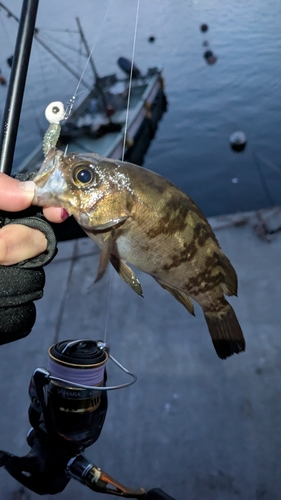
(204, 27)
(210, 57)
(151, 39)
(208, 54)
(3, 80)
(238, 141)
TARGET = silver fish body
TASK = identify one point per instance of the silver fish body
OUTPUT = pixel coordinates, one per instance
(137, 216)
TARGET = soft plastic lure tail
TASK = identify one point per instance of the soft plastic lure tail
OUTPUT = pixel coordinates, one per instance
(54, 113)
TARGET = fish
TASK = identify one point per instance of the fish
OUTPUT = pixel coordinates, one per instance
(138, 217)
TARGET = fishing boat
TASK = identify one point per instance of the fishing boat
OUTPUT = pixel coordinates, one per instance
(117, 119)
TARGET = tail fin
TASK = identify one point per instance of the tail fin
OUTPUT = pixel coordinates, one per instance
(225, 331)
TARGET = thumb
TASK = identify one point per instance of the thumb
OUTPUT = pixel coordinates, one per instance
(15, 195)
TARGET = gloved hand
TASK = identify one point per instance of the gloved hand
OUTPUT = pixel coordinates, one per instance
(22, 283)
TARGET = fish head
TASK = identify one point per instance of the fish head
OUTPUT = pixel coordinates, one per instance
(91, 188)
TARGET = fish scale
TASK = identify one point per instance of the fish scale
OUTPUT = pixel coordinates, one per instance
(138, 217)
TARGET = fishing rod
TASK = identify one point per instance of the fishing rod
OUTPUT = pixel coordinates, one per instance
(16, 86)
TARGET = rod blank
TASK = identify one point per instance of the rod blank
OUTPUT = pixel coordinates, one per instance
(17, 84)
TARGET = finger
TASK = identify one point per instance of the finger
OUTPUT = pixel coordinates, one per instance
(55, 214)
(18, 242)
(15, 195)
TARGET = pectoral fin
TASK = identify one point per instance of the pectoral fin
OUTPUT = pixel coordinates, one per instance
(180, 296)
(104, 257)
(127, 274)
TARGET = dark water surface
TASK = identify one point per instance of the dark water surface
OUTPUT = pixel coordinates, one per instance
(206, 103)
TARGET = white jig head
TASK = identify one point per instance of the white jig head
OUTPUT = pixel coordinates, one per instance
(54, 113)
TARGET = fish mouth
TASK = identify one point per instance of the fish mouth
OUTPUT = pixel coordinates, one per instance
(49, 181)
(83, 220)
(47, 166)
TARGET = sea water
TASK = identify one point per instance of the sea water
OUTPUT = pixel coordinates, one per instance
(241, 91)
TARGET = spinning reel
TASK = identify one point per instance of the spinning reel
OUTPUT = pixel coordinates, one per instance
(67, 412)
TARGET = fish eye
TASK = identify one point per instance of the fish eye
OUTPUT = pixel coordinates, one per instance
(84, 175)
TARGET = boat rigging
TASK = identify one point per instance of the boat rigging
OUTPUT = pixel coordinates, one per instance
(117, 118)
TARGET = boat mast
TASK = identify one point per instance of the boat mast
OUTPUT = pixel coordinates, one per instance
(54, 54)
(90, 58)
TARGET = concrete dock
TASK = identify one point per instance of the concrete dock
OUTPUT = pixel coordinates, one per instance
(198, 427)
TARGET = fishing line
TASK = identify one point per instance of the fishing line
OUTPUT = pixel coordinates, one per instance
(130, 80)
(81, 364)
(70, 103)
(66, 292)
(123, 151)
(108, 304)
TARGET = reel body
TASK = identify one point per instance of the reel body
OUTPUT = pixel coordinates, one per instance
(65, 417)
(71, 413)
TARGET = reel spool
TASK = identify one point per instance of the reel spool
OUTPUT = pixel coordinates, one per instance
(71, 394)
(76, 414)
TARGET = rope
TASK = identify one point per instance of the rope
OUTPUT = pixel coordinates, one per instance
(263, 182)
(60, 43)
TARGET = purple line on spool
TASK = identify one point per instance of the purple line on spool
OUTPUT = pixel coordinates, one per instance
(89, 376)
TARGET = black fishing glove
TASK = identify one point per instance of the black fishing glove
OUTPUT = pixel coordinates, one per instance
(23, 283)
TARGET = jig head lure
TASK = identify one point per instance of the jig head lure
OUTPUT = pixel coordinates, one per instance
(54, 113)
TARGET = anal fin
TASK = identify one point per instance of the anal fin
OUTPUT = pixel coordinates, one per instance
(179, 296)
(229, 283)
